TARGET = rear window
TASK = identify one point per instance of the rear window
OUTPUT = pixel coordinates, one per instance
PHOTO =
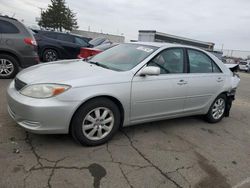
(103, 47)
(8, 28)
(97, 41)
(80, 41)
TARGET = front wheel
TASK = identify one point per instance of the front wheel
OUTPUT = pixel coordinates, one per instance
(95, 122)
(217, 109)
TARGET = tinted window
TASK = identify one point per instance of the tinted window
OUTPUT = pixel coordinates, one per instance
(123, 57)
(80, 41)
(66, 38)
(170, 61)
(7, 27)
(51, 35)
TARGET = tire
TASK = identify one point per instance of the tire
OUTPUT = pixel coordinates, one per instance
(8, 66)
(50, 55)
(96, 131)
(219, 107)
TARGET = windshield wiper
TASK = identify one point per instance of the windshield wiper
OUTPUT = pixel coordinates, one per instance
(99, 64)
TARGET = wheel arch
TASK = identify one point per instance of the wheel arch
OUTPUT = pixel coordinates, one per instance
(229, 100)
(11, 54)
(113, 99)
(51, 48)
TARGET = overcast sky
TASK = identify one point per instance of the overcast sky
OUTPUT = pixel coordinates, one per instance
(220, 21)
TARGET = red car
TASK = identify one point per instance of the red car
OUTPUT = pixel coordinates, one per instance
(88, 52)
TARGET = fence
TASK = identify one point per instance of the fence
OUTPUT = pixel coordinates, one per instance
(240, 54)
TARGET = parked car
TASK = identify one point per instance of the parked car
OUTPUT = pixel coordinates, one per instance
(244, 66)
(128, 84)
(88, 52)
(18, 48)
(99, 41)
(53, 46)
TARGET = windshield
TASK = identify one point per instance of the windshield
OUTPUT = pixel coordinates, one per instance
(123, 57)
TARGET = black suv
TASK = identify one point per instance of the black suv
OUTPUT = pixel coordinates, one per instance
(17, 47)
(55, 45)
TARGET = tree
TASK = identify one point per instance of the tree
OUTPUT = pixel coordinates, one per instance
(58, 17)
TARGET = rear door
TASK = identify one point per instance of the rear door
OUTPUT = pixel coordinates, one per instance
(71, 50)
(162, 95)
(205, 81)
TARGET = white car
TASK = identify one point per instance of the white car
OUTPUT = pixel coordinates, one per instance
(244, 66)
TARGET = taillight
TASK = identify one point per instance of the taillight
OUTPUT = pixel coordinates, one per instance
(87, 52)
(30, 41)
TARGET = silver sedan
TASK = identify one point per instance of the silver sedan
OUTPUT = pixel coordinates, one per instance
(128, 84)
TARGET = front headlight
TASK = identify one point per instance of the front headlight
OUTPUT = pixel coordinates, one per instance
(44, 90)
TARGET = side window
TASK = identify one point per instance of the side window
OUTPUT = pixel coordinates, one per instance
(199, 62)
(7, 27)
(216, 69)
(80, 41)
(170, 61)
(65, 38)
(50, 35)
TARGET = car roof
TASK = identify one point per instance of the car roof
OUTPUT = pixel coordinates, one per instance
(56, 32)
(163, 44)
(7, 17)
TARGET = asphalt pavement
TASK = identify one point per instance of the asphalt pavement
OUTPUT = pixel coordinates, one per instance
(185, 152)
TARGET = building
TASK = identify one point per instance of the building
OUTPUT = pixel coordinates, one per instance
(90, 34)
(155, 36)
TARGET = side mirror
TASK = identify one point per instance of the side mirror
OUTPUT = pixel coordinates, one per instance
(150, 70)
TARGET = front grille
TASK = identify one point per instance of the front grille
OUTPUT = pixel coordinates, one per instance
(19, 84)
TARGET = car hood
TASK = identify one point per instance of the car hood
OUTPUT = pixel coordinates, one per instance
(72, 72)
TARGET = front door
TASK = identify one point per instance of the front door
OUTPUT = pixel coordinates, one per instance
(162, 95)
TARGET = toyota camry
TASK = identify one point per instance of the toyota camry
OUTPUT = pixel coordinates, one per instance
(131, 83)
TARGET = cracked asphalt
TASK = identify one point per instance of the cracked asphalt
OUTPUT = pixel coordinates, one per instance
(185, 152)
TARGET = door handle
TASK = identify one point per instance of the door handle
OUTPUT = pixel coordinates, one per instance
(182, 82)
(219, 79)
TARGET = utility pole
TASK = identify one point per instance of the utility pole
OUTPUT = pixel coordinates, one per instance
(41, 9)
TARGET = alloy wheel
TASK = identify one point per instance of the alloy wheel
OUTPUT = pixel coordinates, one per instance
(98, 123)
(50, 56)
(218, 108)
(6, 67)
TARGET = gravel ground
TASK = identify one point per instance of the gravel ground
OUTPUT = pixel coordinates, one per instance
(186, 152)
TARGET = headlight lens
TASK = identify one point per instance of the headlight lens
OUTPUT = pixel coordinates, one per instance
(44, 90)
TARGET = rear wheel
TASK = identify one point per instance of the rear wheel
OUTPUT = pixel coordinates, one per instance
(217, 109)
(8, 66)
(95, 122)
(50, 55)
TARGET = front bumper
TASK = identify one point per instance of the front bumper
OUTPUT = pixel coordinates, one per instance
(45, 116)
